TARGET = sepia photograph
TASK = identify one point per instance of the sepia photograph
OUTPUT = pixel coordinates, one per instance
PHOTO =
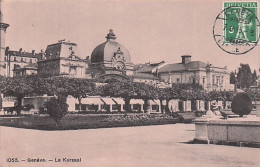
(129, 83)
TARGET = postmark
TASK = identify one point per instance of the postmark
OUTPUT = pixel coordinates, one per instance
(236, 28)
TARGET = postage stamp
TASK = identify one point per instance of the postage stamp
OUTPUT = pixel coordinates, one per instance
(236, 28)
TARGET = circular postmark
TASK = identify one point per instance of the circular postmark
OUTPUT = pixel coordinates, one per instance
(236, 30)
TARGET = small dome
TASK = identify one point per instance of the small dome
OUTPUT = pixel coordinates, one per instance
(106, 50)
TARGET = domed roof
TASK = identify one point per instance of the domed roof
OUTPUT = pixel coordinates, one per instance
(106, 50)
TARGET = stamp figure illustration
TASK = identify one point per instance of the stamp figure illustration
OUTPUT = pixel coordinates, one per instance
(236, 28)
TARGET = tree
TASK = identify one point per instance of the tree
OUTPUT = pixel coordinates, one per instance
(57, 108)
(241, 104)
(254, 77)
(18, 87)
(232, 78)
(80, 88)
(244, 76)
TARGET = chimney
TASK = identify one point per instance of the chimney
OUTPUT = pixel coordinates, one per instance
(20, 50)
(33, 52)
(186, 59)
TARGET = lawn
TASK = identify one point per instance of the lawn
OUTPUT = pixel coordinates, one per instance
(79, 121)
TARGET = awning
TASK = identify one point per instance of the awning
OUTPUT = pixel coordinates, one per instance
(154, 102)
(119, 100)
(157, 102)
(108, 100)
(136, 101)
(92, 100)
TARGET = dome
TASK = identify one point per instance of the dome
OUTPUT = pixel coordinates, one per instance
(106, 51)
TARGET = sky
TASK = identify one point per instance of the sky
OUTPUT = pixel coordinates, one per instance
(152, 30)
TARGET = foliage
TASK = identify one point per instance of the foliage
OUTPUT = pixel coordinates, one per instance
(18, 87)
(244, 76)
(241, 104)
(28, 107)
(232, 78)
(254, 94)
(57, 108)
(80, 88)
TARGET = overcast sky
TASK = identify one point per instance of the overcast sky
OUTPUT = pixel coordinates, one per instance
(150, 30)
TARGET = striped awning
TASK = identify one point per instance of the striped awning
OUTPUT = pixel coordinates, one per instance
(119, 100)
(107, 100)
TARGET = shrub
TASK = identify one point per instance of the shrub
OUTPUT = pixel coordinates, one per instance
(28, 107)
(241, 104)
(56, 108)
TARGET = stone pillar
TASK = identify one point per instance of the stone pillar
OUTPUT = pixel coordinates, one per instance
(202, 105)
(198, 105)
(184, 105)
(208, 105)
(188, 105)
(110, 107)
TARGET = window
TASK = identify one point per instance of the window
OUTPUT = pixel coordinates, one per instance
(21, 59)
(30, 60)
(203, 80)
(178, 80)
(213, 80)
(14, 58)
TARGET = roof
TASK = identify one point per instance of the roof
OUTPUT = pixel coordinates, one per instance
(23, 54)
(148, 67)
(107, 50)
(194, 65)
(62, 49)
(145, 76)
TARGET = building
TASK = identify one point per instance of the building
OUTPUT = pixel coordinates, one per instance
(148, 73)
(209, 76)
(111, 59)
(20, 63)
(62, 59)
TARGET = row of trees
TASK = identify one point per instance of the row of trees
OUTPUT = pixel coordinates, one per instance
(60, 87)
(20, 87)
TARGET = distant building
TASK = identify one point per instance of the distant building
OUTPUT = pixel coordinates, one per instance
(62, 59)
(20, 63)
(209, 76)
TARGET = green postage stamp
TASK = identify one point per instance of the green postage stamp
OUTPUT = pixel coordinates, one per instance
(236, 29)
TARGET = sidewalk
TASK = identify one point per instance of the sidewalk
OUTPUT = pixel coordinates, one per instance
(147, 146)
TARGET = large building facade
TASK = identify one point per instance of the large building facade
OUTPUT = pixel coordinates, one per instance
(209, 76)
(62, 59)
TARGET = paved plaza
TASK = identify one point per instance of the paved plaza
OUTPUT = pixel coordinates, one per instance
(148, 146)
